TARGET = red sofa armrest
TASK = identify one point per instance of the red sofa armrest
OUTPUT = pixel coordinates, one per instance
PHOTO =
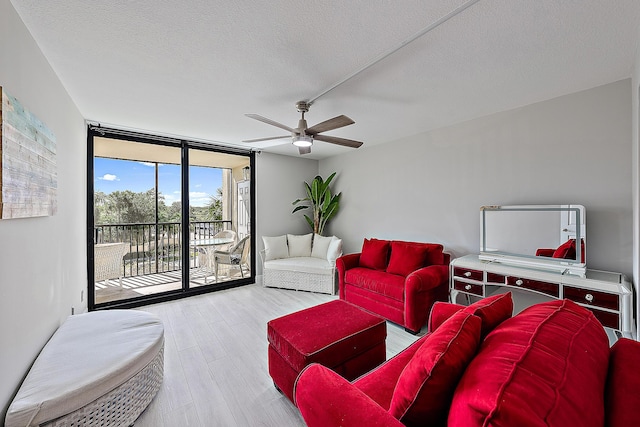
(422, 289)
(440, 312)
(427, 278)
(326, 399)
(622, 399)
(344, 263)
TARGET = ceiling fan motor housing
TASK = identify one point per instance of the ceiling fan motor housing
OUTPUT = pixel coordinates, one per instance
(302, 127)
(302, 106)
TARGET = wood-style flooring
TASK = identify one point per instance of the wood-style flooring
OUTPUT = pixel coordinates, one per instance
(215, 371)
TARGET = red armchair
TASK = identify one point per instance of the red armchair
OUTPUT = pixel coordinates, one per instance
(397, 280)
(549, 365)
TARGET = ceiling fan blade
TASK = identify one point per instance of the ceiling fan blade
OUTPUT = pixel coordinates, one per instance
(339, 141)
(304, 150)
(270, 122)
(335, 123)
(266, 139)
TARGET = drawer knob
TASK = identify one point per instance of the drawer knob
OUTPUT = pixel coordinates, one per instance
(519, 282)
(467, 287)
(467, 274)
(588, 297)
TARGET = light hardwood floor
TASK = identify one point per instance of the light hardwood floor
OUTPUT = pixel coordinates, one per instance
(215, 371)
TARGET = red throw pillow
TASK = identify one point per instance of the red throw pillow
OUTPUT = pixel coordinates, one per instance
(566, 251)
(425, 388)
(546, 366)
(375, 254)
(492, 310)
(406, 258)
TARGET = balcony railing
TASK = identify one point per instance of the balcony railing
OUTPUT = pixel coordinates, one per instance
(155, 248)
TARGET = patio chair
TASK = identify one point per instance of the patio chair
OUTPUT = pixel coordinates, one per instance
(205, 254)
(108, 262)
(226, 234)
(238, 255)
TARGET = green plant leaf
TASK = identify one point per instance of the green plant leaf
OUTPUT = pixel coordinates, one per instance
(328, 181)
(315, 189)
(299, 208)
(327, 199)
(309, 221)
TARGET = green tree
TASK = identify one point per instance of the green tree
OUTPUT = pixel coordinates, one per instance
(171, 213)
(214, 208)
(127, 207)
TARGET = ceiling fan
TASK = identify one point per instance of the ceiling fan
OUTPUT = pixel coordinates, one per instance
(303, 136)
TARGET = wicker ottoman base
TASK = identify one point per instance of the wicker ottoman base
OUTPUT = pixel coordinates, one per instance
(123, 405)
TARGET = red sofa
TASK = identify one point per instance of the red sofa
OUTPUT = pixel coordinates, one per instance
(550, 365)
(397, 280)
(565, 251)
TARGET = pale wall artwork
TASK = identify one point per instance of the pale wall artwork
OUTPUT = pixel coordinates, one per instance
(28, 174)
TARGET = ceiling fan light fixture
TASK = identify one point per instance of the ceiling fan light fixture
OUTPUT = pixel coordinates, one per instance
(302, 141)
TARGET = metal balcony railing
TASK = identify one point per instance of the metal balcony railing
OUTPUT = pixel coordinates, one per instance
(155, 247)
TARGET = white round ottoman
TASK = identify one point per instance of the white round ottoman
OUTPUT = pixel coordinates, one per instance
(98, 368)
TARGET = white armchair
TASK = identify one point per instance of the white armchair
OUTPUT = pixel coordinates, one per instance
(238, 255)
(108, 261)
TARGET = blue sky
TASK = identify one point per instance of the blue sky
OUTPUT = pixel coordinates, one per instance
(119, 175)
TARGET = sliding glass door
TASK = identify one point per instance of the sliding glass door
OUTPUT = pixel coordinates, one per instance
(163, 219)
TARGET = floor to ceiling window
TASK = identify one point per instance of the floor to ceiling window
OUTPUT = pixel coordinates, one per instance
(166, 218)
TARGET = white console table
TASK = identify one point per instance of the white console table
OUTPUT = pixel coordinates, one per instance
(608, 295)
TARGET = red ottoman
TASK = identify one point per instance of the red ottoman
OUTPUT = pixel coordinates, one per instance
(336, 334)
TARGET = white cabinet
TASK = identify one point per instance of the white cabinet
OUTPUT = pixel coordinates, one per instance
(608, 295)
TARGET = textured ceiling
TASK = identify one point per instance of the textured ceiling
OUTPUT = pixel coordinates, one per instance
(193, 68)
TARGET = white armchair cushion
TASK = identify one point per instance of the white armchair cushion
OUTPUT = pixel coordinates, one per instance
(275, 247)
(335, 250)
(299, 245)
(320, 246)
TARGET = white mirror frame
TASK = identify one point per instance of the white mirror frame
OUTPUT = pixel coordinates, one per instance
(557, 264)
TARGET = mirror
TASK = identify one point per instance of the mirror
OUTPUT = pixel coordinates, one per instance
(543, 236)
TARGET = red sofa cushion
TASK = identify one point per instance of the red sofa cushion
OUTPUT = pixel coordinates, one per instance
(376, 281)
(546, 366)
(406, 258)
(623, 382)
(425, 387)
(492, 310)
(566, 251)
(375, 254)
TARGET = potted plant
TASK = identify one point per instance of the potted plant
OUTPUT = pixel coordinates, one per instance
(323, 204)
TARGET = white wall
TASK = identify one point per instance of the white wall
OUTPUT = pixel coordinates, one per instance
(42, 260)
(280, 181)
(635, 160)
(429, 187)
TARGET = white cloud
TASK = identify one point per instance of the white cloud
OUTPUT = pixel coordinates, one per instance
(109, 177)
(151, 165)
(196, 198)
(169, 199)
(199, 198)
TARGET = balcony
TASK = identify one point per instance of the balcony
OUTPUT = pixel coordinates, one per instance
(153, 259)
